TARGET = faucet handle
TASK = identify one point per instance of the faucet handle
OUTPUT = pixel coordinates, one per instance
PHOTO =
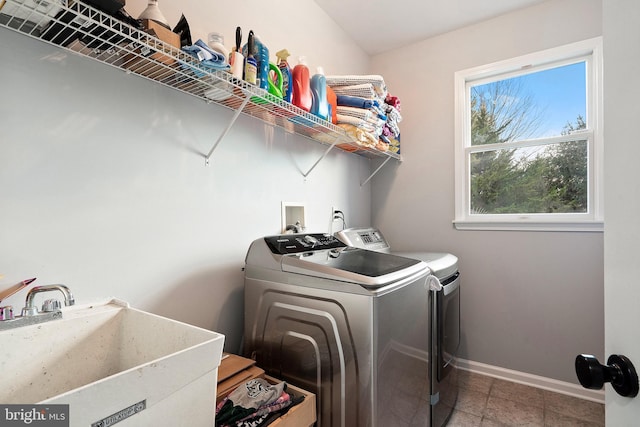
(6, 313)
(29, 311)
(51, 305)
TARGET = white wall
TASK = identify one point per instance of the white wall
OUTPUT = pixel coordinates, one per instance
(299, 26)
(103, 182)
(531, 301)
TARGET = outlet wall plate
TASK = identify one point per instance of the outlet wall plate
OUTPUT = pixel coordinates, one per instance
(333, 219)
(293, 214)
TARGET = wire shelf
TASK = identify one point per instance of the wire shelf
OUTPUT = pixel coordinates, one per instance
(78, 27)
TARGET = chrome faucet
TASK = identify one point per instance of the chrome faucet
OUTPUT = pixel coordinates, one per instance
(31, 310)
(30, 314)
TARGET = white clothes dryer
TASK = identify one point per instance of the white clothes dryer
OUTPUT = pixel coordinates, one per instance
(445, 320)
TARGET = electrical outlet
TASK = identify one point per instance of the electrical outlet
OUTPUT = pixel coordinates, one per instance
(331, 220)
(336, 215)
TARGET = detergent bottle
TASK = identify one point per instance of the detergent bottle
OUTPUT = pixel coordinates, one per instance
(285, 69)
(301, 96)
(319, 105)
(332, 99)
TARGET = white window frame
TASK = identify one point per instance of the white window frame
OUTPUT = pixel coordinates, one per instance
(589, 50)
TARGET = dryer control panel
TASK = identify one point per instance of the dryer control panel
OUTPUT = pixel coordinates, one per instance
(296, 243)
(367, 238)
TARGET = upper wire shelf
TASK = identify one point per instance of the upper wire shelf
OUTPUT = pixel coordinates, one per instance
(80, 28)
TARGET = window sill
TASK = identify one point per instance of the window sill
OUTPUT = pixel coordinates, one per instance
(580, 226)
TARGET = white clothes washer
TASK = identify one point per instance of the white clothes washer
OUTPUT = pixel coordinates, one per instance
(351, 325)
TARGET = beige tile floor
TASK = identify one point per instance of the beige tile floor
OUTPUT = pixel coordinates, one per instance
(487, 402)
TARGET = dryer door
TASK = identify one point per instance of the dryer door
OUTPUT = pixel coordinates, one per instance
(448, 324)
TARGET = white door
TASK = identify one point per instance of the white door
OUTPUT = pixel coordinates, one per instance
(621, 36)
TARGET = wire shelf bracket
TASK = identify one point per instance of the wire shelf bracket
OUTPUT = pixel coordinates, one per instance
(226, 130)
(375, 172)
(333, 144)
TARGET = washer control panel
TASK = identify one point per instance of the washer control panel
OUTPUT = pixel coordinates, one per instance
(297, 243)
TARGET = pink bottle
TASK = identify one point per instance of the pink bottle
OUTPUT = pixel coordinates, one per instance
(301, 96)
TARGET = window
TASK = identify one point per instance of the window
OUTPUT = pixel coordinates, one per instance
(529, 142)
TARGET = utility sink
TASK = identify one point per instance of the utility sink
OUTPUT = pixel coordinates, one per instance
(106, 358)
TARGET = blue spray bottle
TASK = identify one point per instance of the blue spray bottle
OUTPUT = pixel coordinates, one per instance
(285, 69)
(262, 59)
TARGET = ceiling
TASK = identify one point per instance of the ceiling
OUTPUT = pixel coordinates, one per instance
(378, 26)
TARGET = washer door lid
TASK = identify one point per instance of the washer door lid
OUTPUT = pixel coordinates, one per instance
(361, 266)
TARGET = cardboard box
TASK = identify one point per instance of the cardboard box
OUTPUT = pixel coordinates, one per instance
(301, 415)
(164, 34)
(231, 364)
(236, 370)
(142, 64)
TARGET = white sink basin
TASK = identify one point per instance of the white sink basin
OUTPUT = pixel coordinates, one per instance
(103, 358)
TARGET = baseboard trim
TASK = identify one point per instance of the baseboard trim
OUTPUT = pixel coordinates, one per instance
(544, 383)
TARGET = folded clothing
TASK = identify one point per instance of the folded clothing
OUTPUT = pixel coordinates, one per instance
(246, 399)
(266, 414)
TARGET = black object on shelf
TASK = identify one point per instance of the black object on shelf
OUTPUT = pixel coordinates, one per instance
(182, 29)
(108, 6)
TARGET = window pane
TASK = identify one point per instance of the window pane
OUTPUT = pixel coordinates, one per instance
(544, 179)
(541, 104)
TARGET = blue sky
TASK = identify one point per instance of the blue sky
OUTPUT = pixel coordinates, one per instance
(561, 93)
(558, 93)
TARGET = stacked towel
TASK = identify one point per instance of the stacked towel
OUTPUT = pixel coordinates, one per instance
(365, 91)
(366, 110)
(376, 82)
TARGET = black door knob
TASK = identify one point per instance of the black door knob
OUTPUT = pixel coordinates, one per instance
(619, 371)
